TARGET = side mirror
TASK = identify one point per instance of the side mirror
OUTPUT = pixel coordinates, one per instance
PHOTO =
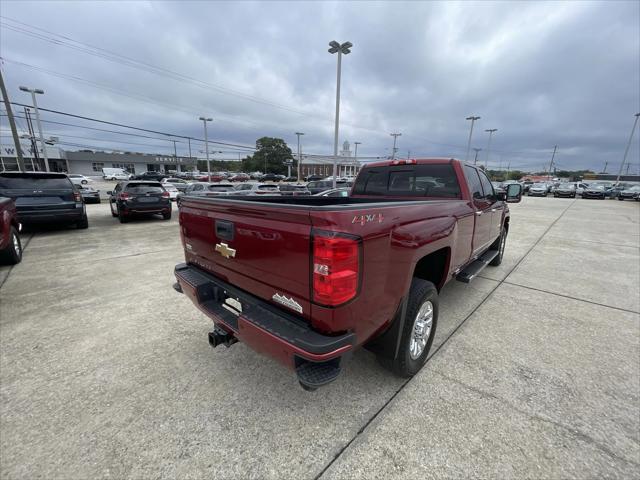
(514, 193)
(109, 192)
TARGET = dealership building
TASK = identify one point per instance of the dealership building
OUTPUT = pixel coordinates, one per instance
(89, 162)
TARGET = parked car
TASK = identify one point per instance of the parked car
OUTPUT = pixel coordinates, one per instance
(214, 177)
(497, 186)
(334, 192)
(538, 190)
(630, 193)
(77, 179)
(580, 186)
(115, 174)
(201, 189)
(152, 176)
(303, 280)
(179, 183)
(255, 175)
(314, 178)
(270, 177)
(295, 190)
(290, 179)
(526, 185)
(594, 191)
(44, 198)
(173, 191)
(137, 197)
(256, 189)
(565, 190)
(239, 177)
(89, 194)
(10, 245)
(322, 185)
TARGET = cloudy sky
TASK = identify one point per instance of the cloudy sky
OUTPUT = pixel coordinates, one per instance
(542, 73)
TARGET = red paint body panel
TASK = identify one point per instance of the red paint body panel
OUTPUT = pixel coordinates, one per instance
(273, 252)
(8, 219)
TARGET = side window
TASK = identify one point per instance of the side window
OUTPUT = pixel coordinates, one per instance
(475, 186)
(486, 185)
(118, 187)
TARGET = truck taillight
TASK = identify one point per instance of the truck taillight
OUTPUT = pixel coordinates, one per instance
(336, 267)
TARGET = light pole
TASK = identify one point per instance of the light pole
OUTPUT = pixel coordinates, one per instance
(473, 120)
(206, 144)
(33, 92)
(395, 137)
(626, 150)
(340, 49)
(299, 158)
(553, 156)
(355, 157)
(475, 161)
(490, 131)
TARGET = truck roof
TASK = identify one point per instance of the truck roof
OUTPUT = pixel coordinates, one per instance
(411, 161)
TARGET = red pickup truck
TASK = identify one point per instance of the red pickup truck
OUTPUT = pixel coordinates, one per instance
(10, 246)
(306, 280)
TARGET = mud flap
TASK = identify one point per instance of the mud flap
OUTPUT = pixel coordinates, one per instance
(387, 344)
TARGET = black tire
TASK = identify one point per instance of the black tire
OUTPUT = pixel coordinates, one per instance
(83, 182)
(122, 217)
(405, 365)
(621, 199)
(166, 216)
(499, 245)
(83, 223)
(98, 201)
(12, 254)
(113, 214)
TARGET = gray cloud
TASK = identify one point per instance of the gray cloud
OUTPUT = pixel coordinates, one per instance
(542, 73)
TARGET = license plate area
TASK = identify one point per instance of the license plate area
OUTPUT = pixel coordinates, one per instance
(227, 301)
(147, 199)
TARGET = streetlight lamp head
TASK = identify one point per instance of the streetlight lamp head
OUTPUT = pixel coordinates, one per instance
(334, 44)
(473, 118)
(24, 89)
(37, 90)
(347, 45)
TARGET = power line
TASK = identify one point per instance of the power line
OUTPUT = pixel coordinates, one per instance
(82, 117)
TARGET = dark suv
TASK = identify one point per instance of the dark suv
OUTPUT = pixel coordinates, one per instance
(44, 198)
(156, 176)
(138, 197)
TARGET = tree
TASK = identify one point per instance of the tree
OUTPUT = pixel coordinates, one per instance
(270, 156)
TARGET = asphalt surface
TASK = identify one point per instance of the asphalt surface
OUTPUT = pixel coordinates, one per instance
(106, 372)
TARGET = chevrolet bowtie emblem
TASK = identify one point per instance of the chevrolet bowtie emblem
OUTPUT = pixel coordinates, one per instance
(225, 251)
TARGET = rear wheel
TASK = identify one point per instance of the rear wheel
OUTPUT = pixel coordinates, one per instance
(166, 216)
(83, 223)
(621, 199)
(418, 330)
(122, 217)
(12, 253)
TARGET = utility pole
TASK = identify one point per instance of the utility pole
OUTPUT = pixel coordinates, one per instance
(628, 167)
(190, 158)
(473, 120)
(206, 145)
(395, 138)
(475, 161)
(12, 124)
(555, 148)
(604, 170)
(298, 134)
(626, 151)
(33, 92)
(490, 131)
(508, 169)
(340, 49)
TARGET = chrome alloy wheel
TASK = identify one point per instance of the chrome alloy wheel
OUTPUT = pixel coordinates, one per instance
(16, 245)
(421, 330)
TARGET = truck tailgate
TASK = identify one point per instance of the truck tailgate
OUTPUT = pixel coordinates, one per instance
(263, 249)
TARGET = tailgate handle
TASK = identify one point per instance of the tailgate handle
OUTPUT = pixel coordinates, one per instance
(224, 230)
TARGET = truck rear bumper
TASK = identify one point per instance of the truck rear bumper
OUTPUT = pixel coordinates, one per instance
(263, 327)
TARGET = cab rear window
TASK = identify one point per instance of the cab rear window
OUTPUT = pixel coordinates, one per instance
(144, 188)
(437, 180)
(39, 182)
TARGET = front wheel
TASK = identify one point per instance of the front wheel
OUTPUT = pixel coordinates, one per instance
(12, 253)
(418, 330)
(499, 245)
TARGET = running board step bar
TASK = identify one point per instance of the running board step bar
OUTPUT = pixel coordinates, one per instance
(472, 270)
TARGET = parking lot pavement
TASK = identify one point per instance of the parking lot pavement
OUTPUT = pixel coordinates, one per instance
(106, 371)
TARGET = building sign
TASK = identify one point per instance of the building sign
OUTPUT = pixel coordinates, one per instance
(170, 159)
(9, 151)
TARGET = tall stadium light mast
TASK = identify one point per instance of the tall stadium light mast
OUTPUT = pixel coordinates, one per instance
(395, 137)
(473, 120)
(491, 132)
(340, 49)
(626, 150)
(206, 144)
(34, 92)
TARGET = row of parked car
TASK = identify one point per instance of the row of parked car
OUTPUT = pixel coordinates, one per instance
(592, 190)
